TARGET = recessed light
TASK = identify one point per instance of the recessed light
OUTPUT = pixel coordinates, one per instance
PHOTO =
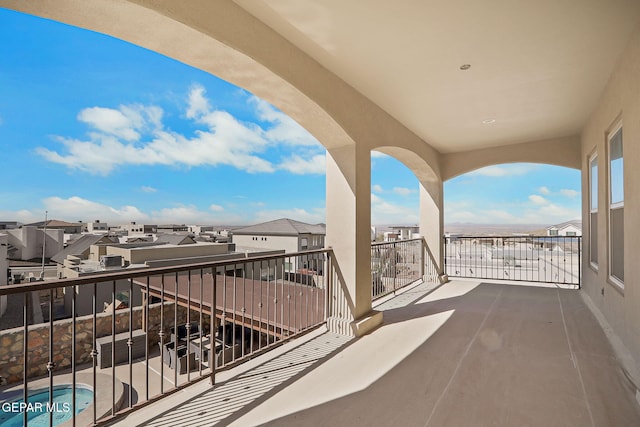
(488, 121)
(465, 67)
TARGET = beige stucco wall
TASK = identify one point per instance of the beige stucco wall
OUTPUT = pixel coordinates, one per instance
(140, 255)
(288, 243)
(29, 239)
(621, 99)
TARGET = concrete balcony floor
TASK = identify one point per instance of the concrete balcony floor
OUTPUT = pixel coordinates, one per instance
(468, 353)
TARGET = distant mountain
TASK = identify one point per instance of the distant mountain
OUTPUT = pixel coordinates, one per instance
(505, 229)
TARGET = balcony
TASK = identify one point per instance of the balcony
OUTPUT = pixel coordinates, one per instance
(465, 353)
(469, 352)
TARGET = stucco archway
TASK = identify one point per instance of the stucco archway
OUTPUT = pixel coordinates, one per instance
(424, 167)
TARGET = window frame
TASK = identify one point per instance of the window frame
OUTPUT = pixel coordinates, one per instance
(613, 206)
(593, 160)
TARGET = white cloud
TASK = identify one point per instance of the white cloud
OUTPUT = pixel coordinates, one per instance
(229, 143)
(198, 105)
(403, 191)
(134, 135)
(504, 170)
(569, 193)
(88, 210)
(544, 190)
(462, 216)
(285, 130)
(126, 123)
(23, 215)
(190, 214)
(377, 188)
(80, 209)
(315, 216)
(383, 212)
(147, 189)
(538, 200)
(540, 211)
(184, 214)
(299, 166)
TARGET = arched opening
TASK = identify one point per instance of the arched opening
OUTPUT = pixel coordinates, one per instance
(517, 221)
(405, 219)
(143, 137)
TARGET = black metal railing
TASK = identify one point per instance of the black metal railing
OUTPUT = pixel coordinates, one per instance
(155, 330)
(547, 259)
(399, 263)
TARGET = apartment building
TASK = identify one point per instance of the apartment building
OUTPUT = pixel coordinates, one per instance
(569, 228)
(284, 234)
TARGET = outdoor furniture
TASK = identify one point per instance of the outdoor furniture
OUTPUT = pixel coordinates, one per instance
(197, 344)
(182, 332)
(225, 355)
(103, 345)
(179, 359)
(166, 353)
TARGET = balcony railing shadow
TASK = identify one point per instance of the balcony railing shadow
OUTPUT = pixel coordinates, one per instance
(159, 330)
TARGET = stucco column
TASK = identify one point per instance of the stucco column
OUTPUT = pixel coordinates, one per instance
(432, 221)
(349, 235)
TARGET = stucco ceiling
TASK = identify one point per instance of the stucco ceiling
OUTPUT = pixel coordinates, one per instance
(537, 67)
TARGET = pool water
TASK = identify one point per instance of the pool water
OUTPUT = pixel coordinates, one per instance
(39, 409)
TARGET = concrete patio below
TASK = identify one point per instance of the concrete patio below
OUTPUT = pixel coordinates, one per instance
(468, 353)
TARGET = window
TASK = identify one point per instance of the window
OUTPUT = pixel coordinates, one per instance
(570, 233)
(593, 211)
(553, 232)
(616, 207)
(304, 243)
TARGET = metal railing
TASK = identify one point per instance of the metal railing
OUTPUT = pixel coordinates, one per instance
(547, 259)
(397, 264)
(156, 330)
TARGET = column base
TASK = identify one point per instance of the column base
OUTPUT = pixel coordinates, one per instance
(355, 328)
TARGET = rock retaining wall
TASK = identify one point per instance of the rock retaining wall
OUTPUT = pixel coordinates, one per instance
(11, 340)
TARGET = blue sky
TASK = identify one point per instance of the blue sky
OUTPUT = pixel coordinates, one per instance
(95, 128)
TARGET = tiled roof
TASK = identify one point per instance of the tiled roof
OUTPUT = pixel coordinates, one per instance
(576, 223)
(54, 223)
(282, 227)
(81, 245)
(175, 239)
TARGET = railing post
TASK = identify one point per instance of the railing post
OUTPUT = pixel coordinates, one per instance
(394, 264)
(423, 259)
(213, 356)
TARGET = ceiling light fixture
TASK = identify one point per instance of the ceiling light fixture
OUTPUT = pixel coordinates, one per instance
(465, 67)
(488, 121)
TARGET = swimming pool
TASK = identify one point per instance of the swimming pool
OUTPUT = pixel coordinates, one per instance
(38, 408)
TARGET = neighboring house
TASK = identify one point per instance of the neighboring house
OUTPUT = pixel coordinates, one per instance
(82, 247)
(96, 227)
(26, 243)
(288, 235)
(569, 228)
(139, 229)
(6, 225)
(101, 257)
(67, 227)
(402, 232)
(175, 239)
(172, 228)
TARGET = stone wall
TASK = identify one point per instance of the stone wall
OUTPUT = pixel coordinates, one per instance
(11, 340)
